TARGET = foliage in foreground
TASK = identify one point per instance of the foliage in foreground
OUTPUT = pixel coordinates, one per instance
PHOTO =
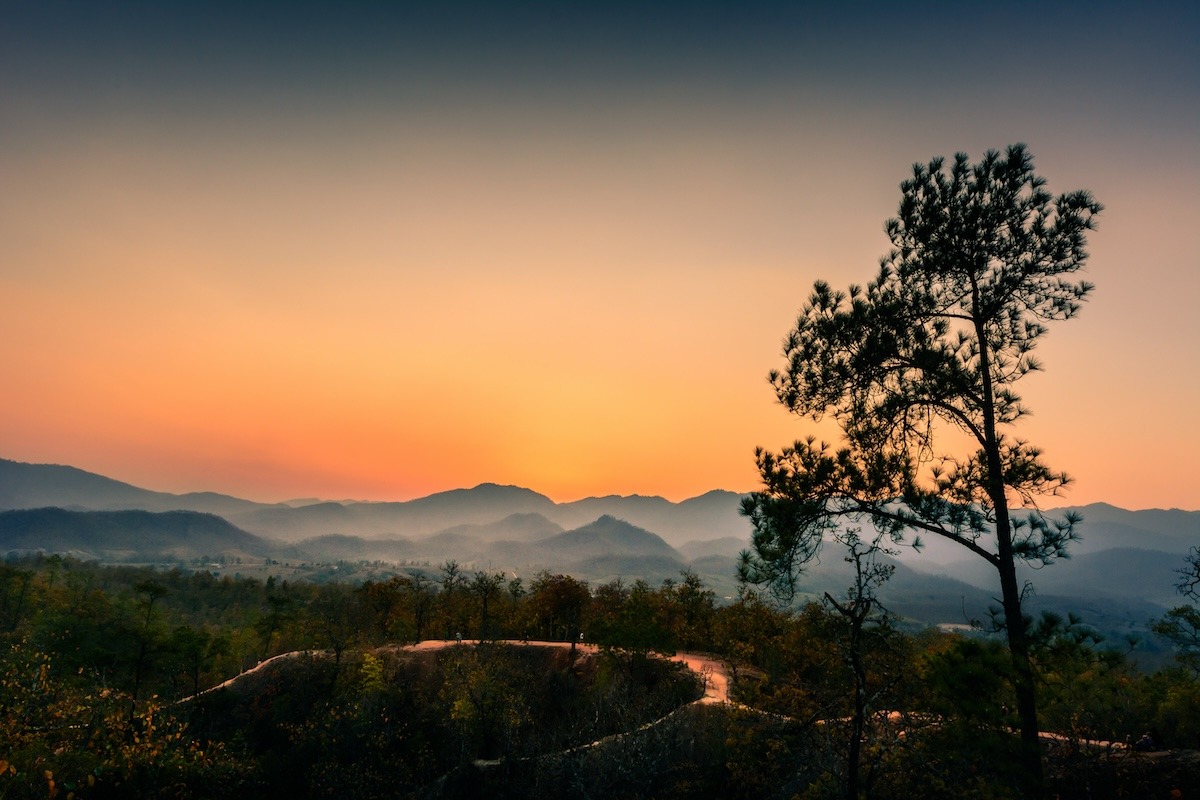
(360, 718)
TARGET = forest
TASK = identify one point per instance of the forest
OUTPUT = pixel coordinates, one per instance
(103, 672)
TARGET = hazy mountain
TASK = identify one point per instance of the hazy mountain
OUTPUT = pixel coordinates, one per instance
(499, 512)
(606, 536)
(1121, 555)
(946, 600)
(310, 521)
(514, 513)
(513, 528)
(300, 502)
(126, 535)
(600, 550)
(604, 546)
(333, 547)
(605, 549)
(709, 516)
(1122, 570)
(1105, 527)
(729, 546)
(44, 485)
(483, 505)
(339, 547)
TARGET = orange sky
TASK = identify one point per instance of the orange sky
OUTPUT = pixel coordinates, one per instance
(359, 284)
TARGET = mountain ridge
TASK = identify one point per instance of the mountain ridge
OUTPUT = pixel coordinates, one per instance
(712, 514)
(117, 535)
(502, 526)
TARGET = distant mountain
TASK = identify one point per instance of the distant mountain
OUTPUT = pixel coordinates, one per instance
(293, 524)
(521, 515)
(1121, 555)
(1122, 571)
(708, 516)
(1105, 527)
(126, 535)
(607, 536)
(514, 527)
(483, 505)
(606, 545)
(45, 485)
(725, 546)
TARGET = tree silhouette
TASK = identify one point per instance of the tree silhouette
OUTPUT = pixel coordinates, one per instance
(419, 591)
(487, 588)
(861, 610)
(148, 593)
(1181, 625)
(919, 369)
(454, 614)
(557, 603)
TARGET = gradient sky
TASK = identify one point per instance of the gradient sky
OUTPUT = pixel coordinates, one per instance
(379, 253)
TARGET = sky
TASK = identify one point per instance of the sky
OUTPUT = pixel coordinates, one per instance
(377, 251)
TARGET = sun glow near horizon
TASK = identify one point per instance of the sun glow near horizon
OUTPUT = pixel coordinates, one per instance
(564, 260)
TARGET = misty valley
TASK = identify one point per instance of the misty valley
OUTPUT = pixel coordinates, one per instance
(1121, 574)
(196, 645)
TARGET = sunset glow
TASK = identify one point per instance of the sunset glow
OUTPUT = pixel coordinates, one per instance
(377, 255)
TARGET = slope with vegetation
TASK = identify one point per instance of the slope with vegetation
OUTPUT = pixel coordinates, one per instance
(95, 660)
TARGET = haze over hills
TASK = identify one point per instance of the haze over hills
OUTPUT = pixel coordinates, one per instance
(124, 535)
(1119, 554)
(708, 516)
(1123, 569)
(513, 528)
(1104, 527)
(543, 545)
(41, 485)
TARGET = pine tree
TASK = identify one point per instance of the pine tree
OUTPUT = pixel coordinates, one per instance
(924, 358)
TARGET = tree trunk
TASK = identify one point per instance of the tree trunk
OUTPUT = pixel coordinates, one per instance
(1018, 646)
(1010, 592)
(860, 712)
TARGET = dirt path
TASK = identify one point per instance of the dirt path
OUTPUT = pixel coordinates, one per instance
(259, 666)
(711, 671)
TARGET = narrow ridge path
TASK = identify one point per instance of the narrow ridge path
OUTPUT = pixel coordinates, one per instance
(712, 671)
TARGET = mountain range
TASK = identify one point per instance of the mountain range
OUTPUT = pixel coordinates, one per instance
(709, 516)
(127, 535)
(1122, 570)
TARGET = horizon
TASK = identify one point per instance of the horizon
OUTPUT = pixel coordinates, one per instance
(319, 499)
(535, 490)
(386, 252)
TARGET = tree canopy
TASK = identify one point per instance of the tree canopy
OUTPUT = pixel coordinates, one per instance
(919, 369)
